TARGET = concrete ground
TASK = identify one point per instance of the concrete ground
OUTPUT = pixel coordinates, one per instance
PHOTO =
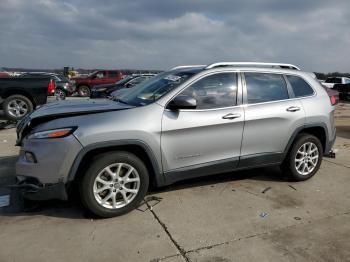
(254, 215)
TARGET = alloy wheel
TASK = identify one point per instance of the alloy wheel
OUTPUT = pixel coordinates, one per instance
(116, 185)
(306, 158)
(60, 94)
(17, 108)
(84, 91)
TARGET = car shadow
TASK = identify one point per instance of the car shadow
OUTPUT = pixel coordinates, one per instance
(7, 124)
(73, 209)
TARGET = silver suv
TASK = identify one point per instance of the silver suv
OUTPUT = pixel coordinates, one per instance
(187, 122)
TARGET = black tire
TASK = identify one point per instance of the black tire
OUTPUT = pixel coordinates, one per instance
(60, 94)
(84, 91)
(289, 165)
(86, 185)
(8, 101)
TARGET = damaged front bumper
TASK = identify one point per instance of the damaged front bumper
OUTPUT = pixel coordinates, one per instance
(32, 189)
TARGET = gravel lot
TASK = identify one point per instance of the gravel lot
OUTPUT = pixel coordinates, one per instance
(254, 215)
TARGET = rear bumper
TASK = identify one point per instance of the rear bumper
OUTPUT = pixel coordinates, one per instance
(32, 189)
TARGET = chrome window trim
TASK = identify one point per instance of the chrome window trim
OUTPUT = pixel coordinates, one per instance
(204, 110)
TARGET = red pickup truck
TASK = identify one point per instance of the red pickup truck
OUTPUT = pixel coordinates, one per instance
(84, 84)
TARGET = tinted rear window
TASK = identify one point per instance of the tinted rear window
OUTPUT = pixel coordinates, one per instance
(299, 86)
(262, 87)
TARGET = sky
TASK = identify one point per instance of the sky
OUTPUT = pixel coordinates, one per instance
(161, 34)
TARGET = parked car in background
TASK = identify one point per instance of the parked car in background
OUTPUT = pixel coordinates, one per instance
(3, 73)
(188, 122)
(105, 90)
(331, 81)
(84, 84)
(332, 92)
(64, 87)
(344, 91)
(20, 96)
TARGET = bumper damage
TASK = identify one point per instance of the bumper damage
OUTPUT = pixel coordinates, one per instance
(32, 189)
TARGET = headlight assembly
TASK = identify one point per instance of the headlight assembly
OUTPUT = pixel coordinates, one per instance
(54, 133)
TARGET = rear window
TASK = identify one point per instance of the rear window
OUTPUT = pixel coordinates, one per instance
(262, 87)
(299, 86)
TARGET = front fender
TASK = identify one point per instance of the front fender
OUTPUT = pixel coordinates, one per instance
(113, 145)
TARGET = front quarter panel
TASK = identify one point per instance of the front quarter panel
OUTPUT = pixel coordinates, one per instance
(141, 123)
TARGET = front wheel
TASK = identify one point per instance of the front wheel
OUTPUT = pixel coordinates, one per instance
(114, 184)
(304, 158)
(84, 91)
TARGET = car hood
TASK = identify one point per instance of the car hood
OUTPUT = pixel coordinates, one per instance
(70, 108)
(63, 109)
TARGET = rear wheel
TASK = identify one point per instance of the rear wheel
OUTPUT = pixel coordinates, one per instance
(114, 184)
(304, 158)
(60, 94)
(17, 106)
(84, 91)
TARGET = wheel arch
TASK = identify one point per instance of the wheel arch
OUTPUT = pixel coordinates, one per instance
(318, 130)
(139, 148)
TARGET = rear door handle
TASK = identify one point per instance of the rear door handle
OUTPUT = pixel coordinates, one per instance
(231, 116)
(293, 108)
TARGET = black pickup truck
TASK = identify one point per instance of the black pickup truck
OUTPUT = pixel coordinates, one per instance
(344, 91)
(20, 96)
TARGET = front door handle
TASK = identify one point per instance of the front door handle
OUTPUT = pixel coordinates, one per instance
(231, 116)
(293, 108)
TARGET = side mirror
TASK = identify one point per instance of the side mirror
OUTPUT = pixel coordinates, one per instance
(183, 102)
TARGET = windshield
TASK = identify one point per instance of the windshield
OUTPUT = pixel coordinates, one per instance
(62, 78)
(93, 73)
(154, 88)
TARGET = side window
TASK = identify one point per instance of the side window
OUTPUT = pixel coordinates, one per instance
(101, 74)
(262, 87)
(214, 91)
(299, 86)
(113, 74)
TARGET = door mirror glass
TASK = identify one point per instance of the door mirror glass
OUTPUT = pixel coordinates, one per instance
(182, 102)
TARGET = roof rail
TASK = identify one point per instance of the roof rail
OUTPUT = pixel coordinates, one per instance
(253, 64)
(187, 66)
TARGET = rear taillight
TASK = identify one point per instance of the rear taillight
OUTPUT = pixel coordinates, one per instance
(51, 87)
(334, 100)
